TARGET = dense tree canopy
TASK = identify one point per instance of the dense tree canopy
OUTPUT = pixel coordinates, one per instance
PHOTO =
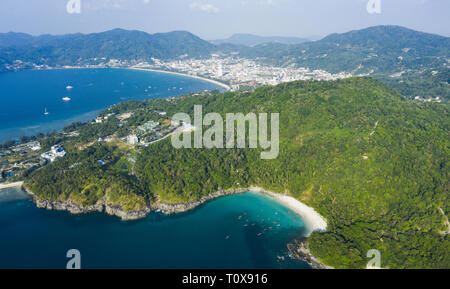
(373, 163)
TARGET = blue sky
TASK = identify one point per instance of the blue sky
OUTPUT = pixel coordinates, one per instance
(213, 19)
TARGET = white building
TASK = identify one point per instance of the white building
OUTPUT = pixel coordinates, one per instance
(56, 151)
(132, 139)
(35, 147)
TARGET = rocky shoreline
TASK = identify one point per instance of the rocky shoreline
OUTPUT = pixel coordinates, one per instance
(300, 250)
(114, 210)
(100, 206)
(168, 209)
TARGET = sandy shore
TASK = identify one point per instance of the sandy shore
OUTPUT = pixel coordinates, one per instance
(11, 185)
(313, 220)
(184, 74)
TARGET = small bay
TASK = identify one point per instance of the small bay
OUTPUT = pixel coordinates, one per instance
(26, 95)
(240, 231)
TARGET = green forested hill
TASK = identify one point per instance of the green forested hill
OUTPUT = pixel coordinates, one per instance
(372, 163)
(378, 49)
(114, 44)
(252, 40)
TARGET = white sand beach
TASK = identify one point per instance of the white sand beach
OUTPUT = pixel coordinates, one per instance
(313, 220)
(185, 74)
(11, 185)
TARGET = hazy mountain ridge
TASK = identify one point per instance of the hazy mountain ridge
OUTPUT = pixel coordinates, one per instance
(113, 44)
(385, 52)
(379, 49)
(252, 40)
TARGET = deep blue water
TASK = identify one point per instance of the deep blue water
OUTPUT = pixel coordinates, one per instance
(38, 238)
(24, 95)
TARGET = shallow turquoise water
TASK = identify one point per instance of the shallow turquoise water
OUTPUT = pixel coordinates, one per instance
(37, 238)
(25, 95)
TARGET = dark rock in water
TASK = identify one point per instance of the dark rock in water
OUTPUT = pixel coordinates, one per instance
(300, 250)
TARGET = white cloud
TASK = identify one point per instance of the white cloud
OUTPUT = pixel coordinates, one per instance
(205, 7)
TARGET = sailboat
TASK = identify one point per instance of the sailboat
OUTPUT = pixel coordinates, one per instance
(46, 112)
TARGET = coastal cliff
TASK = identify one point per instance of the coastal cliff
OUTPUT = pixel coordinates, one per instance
(299, 249)
(167, 208)
(116, 210)
(100, 206)
(313, 220)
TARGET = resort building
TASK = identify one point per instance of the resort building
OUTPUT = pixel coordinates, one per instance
(56, 151)
(132, 139)
(149, 126)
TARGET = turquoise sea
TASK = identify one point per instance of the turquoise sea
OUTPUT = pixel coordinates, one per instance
(220, 234)
(25, 95)
(241, 231)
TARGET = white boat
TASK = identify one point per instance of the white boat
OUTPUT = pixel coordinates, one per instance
(66, 98)
(69, 87)
(46, 112)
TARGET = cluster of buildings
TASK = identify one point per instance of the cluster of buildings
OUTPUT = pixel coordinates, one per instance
(19, 159)
(233, 70)
(21, 149)
(100, 119)
(150, 132)
(240, 72)
(149, 126)
(145, 133)
(97, 62)
(9, 170)
(430, 99)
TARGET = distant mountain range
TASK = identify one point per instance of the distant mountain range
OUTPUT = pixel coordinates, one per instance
(253, 40)
(399, 56)
(22, 39)
(379, 49)
(114, 44)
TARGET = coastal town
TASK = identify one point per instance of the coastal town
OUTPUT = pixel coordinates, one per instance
(235, 72)
(240, 72)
